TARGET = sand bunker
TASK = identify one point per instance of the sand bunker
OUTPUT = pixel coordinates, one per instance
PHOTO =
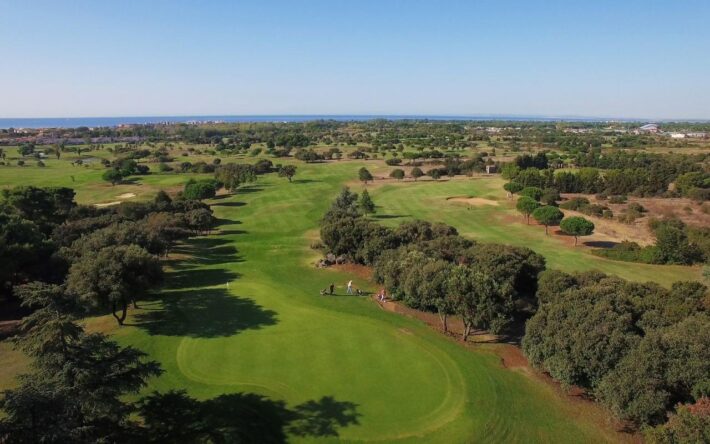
(116, 202)
(107, 204)
(475, 201)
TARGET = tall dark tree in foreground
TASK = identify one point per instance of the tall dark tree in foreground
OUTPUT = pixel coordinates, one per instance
(75, 391)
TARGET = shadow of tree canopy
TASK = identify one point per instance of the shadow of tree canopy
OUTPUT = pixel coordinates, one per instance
(240, 417)
(390, 216)
(229, 204)
(203, 313)
(323, 417)
(600, 244)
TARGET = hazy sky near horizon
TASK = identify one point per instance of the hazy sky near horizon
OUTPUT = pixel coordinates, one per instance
(644, 59)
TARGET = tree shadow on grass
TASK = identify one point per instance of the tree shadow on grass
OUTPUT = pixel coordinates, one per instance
(600, 244)
(249, 189)
(305, 181)
(390, 216)
(240, 417)
(203, 313)
(232, 232)
(229, 204)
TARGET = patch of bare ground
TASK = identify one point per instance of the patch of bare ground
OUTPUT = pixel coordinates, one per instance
(380, 180)
(8, 328)
(356, 270)
(684, 209)
(473, 201)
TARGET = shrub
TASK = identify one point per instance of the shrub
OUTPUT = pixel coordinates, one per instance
(512, 187)
(204, 189)
(164, 167)
(618, 199)
(532, 192)
(397, 174)
(636, 207)
(631, 252)
(550, 196)
(575, 203)
(393, 161)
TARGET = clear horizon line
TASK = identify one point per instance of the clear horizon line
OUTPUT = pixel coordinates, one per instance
(501, 116)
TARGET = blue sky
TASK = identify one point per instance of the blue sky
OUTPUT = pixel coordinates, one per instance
(647, 59)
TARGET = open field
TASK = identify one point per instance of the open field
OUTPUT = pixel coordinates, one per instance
(240, 312)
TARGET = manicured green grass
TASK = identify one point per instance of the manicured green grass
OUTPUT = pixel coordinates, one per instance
(270, 332)
(503, 224)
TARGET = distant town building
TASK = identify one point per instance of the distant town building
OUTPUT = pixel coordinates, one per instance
(649, 128)
(677, 136)
(491, 169)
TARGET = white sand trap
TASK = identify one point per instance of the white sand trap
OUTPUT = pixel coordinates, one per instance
(116, 202)
(106, 204)
(475, 201)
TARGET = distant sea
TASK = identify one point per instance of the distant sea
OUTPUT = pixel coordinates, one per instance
(92, 122)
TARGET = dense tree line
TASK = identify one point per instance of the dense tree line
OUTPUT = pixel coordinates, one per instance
(639, 348)
(430, 267)
(105, 257)
(618, 173)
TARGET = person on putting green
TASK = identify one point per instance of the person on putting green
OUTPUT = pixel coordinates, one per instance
(350, 287)
(332, 289)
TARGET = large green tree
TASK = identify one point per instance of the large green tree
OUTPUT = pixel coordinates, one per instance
(526, 206)
(480, 301)
(548, 215)
(287, 171)
(364, 175)
(577, 226)
(113, 277)
(233, 175)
